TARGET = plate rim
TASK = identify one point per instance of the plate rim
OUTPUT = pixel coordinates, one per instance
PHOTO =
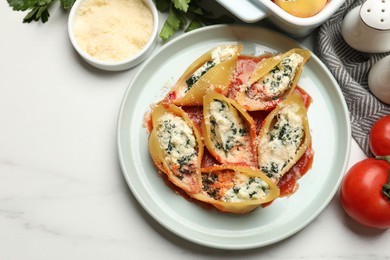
(221, 245)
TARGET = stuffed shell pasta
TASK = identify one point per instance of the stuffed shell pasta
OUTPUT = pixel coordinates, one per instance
(273, 79)
(284, 137)
(233, 132)
(236, 189)
(175, 146)
(212, 71)
(229, 131)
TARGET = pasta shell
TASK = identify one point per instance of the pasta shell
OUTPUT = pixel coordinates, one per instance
(236, 189)
(229, 131)
(284, 137)
(273, 80)
(211, 72)
(176, 147)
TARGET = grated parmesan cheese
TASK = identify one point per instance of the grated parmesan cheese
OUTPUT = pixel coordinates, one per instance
(113, 30)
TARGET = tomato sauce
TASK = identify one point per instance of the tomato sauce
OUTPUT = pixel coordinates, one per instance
(148, 123)
(208, 160)
(171, 96)
(183, 194)
(307, 99)
(195, 113)
(245, 66)
(288, 183)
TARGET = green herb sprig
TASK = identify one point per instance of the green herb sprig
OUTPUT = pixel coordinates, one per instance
(38, 9)
(179, 11)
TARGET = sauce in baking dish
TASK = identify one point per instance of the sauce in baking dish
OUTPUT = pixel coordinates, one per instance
(301, 8)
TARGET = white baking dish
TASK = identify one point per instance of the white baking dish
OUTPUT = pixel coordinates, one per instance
(252, 11)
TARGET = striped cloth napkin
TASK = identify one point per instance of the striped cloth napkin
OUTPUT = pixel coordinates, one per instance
(350, 68)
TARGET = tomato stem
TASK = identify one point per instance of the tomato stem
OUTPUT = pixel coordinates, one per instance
(386, 186)
(385, 157)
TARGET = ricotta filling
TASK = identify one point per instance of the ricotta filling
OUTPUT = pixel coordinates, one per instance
(277, 81)
(229, 133)
(218, 55)
(239, 188)
(283, 142)
(178, 142)
(247, 188)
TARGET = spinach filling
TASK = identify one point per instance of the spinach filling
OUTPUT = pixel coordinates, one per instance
(184, 166)
(286, 133)
(283, 135)
(230, 135)
(274, 81)
(199, 73)
(208, 183)
(181, 150)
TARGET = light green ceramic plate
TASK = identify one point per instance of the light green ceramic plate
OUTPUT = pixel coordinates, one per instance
(330, 128)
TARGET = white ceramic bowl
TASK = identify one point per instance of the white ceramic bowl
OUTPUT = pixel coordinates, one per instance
(251, 11)
(115, 65)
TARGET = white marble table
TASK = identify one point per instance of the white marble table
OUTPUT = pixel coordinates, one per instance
(62, 193)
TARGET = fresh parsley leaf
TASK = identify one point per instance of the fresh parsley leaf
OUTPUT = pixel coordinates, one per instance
(194, 24)
(182, 19)
(181, 4)
(180, 11)
(38, 12)
(173, 23)
(22, 5)
(196, 10)
(163, 5)
(38, 9)
(173, 20)
(166, 31)
(67, 4)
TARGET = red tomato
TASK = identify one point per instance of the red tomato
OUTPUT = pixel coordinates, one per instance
(362, 196)
(380, 136)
